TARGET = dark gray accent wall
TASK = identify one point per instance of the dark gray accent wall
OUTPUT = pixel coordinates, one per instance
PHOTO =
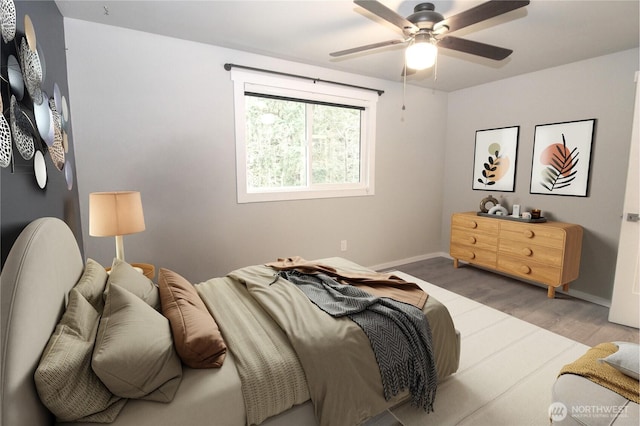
(22, 200)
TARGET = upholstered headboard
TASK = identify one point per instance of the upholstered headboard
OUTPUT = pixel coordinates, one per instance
(43, 265)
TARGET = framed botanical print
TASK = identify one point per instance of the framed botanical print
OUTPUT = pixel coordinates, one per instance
(494, 166)
(562, 158)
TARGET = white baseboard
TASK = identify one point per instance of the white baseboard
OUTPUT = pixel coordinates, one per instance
(573, 293)
(393, 264)
(586, 296)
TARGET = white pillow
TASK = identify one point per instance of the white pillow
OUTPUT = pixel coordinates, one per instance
(626, 359)
(134, 354)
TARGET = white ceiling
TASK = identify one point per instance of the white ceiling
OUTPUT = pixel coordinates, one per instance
(544, 34)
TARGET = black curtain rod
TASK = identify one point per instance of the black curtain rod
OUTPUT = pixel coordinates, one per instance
(315, 80)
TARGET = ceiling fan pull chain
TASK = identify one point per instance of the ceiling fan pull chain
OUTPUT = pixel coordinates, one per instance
(404, 90)
(435, 70)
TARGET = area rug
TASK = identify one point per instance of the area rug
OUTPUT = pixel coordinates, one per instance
(507, 369)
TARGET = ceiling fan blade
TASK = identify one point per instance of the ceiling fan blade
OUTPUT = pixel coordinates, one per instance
(387, 14)
(480, 13)
(366, 47)
(475, 48)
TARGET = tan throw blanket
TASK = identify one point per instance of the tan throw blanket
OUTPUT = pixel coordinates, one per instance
(377, 283)
(268, 388)
(603, 374)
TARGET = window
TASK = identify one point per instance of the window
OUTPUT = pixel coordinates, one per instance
(298, 140)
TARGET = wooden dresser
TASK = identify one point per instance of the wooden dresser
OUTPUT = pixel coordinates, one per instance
(546, 253)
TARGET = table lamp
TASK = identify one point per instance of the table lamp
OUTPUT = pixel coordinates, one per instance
(115, 214)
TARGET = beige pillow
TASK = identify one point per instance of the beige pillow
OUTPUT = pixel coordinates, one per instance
(66, 384)
(134, 354)
(128, 278)
(92, 283)
(195, 332)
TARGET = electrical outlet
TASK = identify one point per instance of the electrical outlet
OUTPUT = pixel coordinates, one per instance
(343, 245)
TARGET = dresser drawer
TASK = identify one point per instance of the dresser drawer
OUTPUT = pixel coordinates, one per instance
(474, 239)
(469, 222)
(474, 255)
(530, 270)
(527, 251)
(534, 233)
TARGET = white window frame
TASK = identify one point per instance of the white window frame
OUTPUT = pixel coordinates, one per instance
(291, 87)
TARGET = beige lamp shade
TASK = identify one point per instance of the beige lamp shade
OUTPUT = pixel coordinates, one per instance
(115, 213)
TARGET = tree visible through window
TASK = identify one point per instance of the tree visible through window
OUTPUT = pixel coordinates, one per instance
(292, 143)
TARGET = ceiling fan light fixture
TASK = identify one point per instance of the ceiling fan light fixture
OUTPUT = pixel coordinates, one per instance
(421, 55)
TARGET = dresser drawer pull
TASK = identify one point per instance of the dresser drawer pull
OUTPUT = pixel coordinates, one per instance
(527, 251)
(473, 224)
(525, 269)
(472, 240)
(528, 233)
(472, 255)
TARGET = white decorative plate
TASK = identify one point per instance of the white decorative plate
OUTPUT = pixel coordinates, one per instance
(57, 98)
(16, 82)
(40, 169)
(65, 114)
(32, 71)
(7, 20)
(5, 142)
(68, 174)
(44, 120)
(56, 150)
(19, 122)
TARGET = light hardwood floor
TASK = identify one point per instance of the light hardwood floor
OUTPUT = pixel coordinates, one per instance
(576, 319)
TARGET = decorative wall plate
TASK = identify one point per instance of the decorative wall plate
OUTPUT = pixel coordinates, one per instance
(7, 20)
(68, 174)
(16, 82)
(44, 120)
(32, 71)
(30, 33)
(56, 150)
(65, 141)
(6, 151)
(57, 98)
(40, 169)
(65, 114)
(19, 123)
(43, 62)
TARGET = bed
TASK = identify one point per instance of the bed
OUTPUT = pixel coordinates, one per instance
(40, 283)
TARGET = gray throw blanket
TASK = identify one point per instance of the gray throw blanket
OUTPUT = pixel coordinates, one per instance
(399, 333)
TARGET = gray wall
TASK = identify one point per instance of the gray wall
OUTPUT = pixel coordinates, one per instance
(601, 88)
(155, 114)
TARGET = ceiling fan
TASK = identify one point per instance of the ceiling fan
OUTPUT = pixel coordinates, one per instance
(425, 29)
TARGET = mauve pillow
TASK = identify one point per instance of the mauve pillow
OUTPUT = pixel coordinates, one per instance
(196, 335)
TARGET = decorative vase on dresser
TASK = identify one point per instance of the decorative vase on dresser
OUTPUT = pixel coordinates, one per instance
(547, 253)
